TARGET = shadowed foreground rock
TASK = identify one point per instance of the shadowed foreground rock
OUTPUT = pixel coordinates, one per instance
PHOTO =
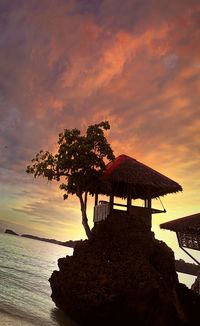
(122, 276)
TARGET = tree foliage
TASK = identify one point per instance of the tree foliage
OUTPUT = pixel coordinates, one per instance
(79, 162)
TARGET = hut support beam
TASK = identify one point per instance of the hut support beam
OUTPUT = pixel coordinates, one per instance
(129, 203)
(96, 199)
(196, 261)
(111, 203)
(148, 203)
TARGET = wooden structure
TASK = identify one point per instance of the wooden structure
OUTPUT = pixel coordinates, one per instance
(188, 234)
(129, 179)
(187, 231)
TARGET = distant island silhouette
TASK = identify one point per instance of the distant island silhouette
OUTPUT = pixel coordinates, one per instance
(8, 231)
(69, 243)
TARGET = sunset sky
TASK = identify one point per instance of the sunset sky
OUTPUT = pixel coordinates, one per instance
(72, 63)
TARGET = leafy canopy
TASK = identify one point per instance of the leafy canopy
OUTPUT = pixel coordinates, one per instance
(80, 159)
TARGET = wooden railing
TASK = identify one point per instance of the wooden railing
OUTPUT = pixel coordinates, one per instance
(101, 212)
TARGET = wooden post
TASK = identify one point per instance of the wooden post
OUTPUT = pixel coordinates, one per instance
(149, 205)
(111, 203)
(96, 199)
(145, 203)
(129, 202)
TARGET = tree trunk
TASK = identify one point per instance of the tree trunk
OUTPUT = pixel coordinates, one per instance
(84, 217)
(85, 201)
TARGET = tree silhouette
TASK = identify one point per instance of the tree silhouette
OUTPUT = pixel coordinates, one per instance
(79, 163)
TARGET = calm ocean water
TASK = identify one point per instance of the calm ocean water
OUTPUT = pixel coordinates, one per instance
(25, 267)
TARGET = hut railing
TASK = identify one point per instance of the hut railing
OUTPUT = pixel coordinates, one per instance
(101, 212)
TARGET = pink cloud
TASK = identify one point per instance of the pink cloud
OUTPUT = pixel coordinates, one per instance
(66, 65)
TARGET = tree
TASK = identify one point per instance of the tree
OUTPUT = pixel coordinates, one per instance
(79, 162)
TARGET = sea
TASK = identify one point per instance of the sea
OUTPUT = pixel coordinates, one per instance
(25, 293)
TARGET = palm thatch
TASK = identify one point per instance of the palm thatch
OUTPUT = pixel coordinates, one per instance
(126, 175)
(187, 224)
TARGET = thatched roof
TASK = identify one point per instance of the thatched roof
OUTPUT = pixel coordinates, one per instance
(127, 175)
(187, 224)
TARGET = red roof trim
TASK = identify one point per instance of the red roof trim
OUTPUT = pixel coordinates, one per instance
(112, 166)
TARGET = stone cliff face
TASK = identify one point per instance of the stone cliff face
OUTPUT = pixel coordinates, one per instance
(122, 276)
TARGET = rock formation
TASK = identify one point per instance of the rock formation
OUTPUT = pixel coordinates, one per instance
(196, 285)
(187, 268)
(8, 231)
(122, 276)
(69, 243)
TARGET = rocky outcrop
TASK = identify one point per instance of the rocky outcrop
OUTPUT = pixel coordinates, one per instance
(186, 268)
(8, 231)
(122, 276)
(69, 243)
(196, 285)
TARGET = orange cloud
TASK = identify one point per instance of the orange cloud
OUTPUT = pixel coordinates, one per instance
(134, 63)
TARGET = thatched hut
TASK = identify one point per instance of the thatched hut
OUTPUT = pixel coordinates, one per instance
(188, 234)
(187, 230)
(129, 179)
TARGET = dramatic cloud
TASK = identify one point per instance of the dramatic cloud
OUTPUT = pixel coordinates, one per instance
(71, 63)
